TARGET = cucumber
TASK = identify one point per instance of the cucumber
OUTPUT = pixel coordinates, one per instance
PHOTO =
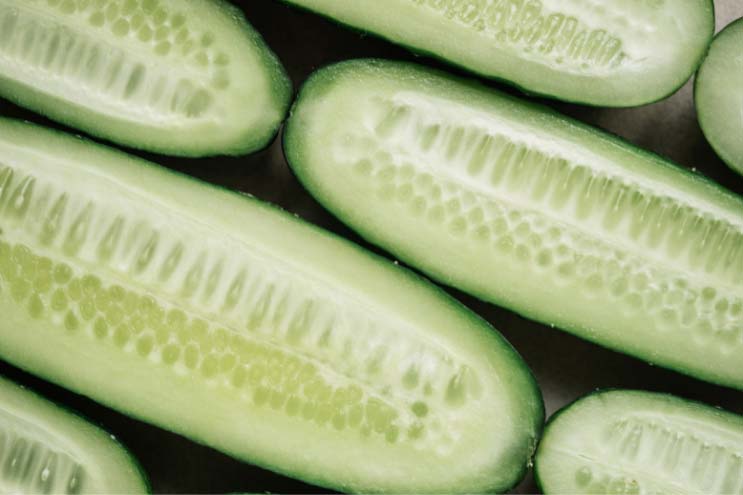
(45, 449)
(615, 53)
(632, 442)
(718, 94)
(226, 320)
(180, 77)
(528, 209)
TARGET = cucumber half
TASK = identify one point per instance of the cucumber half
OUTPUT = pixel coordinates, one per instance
(605, 53)
(528, 209)
(45, 449)
(633, 442)
(718, 94)
(218, 317)
(181, 77)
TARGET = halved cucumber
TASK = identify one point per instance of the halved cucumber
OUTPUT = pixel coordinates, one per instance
(528, 209)
(610, 53)
(221, 318)
(633, 442)
(182, 77)
(718, 94)
(45, 449)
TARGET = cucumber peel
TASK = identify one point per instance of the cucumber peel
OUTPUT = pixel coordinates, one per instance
(718, 95)
(45, 449)
(613, 54)
(216, 316)
(528, 209)
(632, 442)
(180, 77)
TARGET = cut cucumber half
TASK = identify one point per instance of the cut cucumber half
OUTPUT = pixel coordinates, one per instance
(226, 320)
(528, 209)
(606, 53)
(718, 94)
(45, 449)
(633, 442)
(181, 77)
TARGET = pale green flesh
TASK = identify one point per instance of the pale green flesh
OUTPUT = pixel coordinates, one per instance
(248, 330)
(719, 95)
(183, 77)
(617, 53)
(529, 210)
(631, 442)
(44, 449)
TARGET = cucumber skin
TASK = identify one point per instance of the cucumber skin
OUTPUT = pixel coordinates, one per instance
(147, 487)
(60, 110)
(524, 90)
(537, 479)
(737, 167)
(322, 80)
(533, 393)
(567, 407)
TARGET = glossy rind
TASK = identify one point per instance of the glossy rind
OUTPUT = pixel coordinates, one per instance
(631, 442)
(221, 318)
(615, 54)
(718, 95)
(528, 209)
(46, 449)
(178, 77)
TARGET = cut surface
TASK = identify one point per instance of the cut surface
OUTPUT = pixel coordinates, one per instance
(632, 442)
(44, 449)
(183, 77)
(530, 210)
(719, 95)
(248, 330)
(608, 53)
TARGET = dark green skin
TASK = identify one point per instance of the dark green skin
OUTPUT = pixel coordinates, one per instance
(729, 163)
(322, 78)
(525, 91)
(282, 93)
(566, 408)
(537, 479)
(444, 297)
(134, 461)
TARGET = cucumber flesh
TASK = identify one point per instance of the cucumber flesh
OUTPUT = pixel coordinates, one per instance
(718, 94)
(615, 54)
(528, 209)
(181, 77)
(218, 317)
(633, 442)
(45, 449)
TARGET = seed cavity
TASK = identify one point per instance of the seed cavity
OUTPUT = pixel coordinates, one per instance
(30, 463)
(262, 365)
(51, 48)
(671, 241)
(535, 31)
(672, 450)
(271, 338)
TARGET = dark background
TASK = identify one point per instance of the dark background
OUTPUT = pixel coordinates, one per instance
(565, 366)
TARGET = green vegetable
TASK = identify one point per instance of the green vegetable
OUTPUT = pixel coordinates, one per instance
(45, 449)
(181, 77)
(633, 442)
(528, 209)
(226, 320)
(606, 53)
(718, 94)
